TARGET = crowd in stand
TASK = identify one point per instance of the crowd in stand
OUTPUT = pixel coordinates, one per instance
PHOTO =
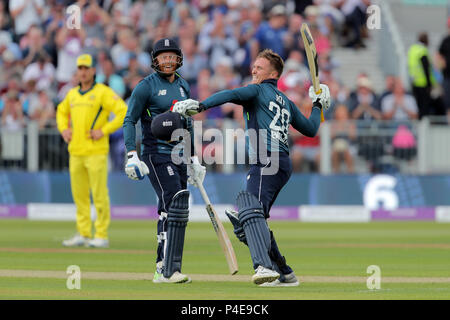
(219, 40)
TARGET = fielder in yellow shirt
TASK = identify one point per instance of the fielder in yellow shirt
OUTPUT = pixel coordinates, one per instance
(82, 119)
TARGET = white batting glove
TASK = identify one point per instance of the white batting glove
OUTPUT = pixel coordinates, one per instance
(324, 97)
(196, 172)
(135, 168)
(186, 107)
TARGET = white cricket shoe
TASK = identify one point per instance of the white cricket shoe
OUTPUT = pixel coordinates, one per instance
(76, 241)
(285, 280)
(176, 277)
(98, 243)
(263, 275)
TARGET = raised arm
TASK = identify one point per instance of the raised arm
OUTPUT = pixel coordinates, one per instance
(236, 96)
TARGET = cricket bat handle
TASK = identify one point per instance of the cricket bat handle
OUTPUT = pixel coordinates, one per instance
(319, 91)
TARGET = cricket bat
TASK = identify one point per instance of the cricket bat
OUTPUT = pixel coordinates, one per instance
(224, 241)
(311, 55)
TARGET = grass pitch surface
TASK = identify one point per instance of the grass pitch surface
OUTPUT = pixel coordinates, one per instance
(331, 261)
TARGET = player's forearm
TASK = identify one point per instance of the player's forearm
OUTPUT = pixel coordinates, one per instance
(129, 134)
(309, 126)
(237, 96)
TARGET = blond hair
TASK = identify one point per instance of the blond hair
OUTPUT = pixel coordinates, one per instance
(274, 58)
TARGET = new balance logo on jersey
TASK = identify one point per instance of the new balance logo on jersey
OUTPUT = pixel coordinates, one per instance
(162, 92)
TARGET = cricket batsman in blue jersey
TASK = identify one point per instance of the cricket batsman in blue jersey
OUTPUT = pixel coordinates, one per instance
(150, 103)
(268, 114)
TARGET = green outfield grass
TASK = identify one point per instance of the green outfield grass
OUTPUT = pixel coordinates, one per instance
(330, 259)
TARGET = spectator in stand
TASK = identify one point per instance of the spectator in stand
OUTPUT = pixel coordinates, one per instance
(94, 21)
(6, 43)
(343, 134)
(444, 64)
(6, 22)
(250, 20)
(12, 117)
(421, 74)
(271, 34)
(305, 151)
(10, 67)
(42, 110)
(293, 39)
(25, 13)
(363, 102)
(70, 45)
(42, 71)
(355, 20)
(32, 43)
(389, 82)
(193, 62)
(224, 76)
(323, 45)
(404, 143)
(55, 21)
(147, 12)
(69, 85)
(399, 105)
(313, 17)
(110, 78)
(217, 39)
(131, 47)
(133, 72)
(295, 73)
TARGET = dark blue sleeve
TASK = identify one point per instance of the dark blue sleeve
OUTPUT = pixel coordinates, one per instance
(306, 126)
(136, 105)
(237, 96)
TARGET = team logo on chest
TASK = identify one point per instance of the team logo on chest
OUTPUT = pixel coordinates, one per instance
(182, 92)
(162, 92)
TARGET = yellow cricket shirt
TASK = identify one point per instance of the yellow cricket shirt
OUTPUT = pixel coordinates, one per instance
(89, 110)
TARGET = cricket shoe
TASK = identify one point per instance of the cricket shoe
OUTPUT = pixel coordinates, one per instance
(263, 275)
(176, 277)
(98, 243)
(76, 241)
(285, 280)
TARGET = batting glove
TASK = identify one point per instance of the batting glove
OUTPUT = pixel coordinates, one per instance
(196, 172)
(187, 107)
(135, 168)
(321, 100)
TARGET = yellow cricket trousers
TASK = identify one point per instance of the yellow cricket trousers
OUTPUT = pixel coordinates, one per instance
(90, 174)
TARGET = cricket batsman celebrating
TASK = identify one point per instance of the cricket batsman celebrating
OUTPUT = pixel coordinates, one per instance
(268, 113)
(150, 103)
(82, 119)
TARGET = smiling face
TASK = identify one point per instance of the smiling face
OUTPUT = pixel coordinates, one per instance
(263, 70)
(168, 62)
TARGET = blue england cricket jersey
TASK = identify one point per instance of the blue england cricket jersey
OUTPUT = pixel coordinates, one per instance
(152, 96)
(269, 113)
